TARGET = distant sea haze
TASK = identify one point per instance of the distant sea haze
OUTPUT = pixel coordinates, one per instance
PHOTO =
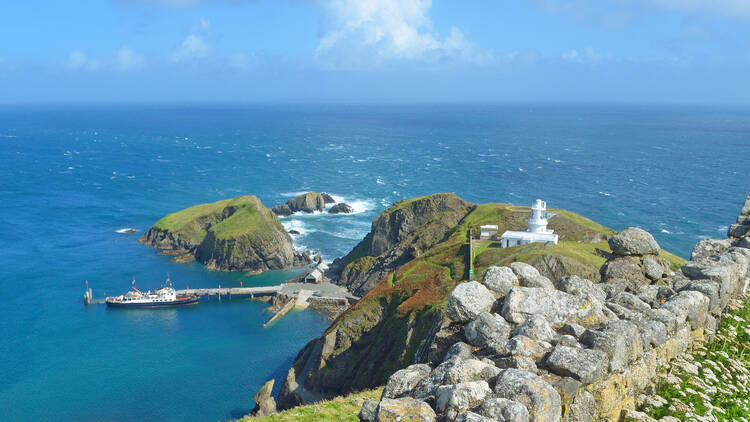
(74, 175)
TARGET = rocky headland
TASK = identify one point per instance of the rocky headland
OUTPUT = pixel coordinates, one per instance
(238, 234)
(407, 268)
(517, 348)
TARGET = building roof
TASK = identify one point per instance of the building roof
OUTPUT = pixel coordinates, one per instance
(529, 236)
(488, 227)
(316, 274)
(321, 266)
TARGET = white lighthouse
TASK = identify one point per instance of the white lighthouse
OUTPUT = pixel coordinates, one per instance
(537, 229)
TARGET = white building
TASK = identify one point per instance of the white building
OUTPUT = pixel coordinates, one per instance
(488, 232)
(537, 231)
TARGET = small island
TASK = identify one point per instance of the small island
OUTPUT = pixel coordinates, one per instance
(239, 234)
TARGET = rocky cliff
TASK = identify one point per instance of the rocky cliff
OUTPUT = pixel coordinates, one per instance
(238, 234)
(399, 234)
(521, 347)
(408, 264)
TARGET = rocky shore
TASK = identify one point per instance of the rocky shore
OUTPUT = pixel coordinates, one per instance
(522, 347)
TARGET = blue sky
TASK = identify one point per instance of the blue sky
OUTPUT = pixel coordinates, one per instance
(620, 51)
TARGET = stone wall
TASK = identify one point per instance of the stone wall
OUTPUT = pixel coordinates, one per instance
(521, 347)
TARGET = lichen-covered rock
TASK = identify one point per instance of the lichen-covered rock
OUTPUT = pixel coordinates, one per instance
(708, 247)
(620, 340)
(628, 268)
(577, 286)
(405, 409)
(565, 340)
(460, 350)
(572, 329)
(523, 270)
(456, 371)
(403, 381)
(585, 365)
(541, 399)
(462, 396)
(473, 417)
(369, 411)
(746, 207)
(536, 328)
(692, 304)
(528, 276)
(652, 267)
(555, 306)
(709, 289)
(488, 331)
(525, 347)
(634, 241)
(500, 280)
(630, 301)
(502, 410)
(468, 300)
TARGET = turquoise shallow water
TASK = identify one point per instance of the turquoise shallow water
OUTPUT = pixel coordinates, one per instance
(70, 176)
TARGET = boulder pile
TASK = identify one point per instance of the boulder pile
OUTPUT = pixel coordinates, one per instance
(526, 348)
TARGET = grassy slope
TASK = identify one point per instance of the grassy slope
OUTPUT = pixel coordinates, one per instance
(344, 409)
(247, 219)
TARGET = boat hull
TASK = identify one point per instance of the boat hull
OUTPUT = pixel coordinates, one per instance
(179, 302)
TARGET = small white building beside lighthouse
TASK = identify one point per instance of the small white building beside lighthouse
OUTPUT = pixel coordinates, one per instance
(537, 231)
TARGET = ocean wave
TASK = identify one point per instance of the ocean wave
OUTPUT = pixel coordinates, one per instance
(126, 230)
(294, 224)
(605, 194)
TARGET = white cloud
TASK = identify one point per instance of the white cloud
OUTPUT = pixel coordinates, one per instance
(730, 8)
(359, 33)
(194, 46)
(126, 59)
(586, 55)
(78, 60)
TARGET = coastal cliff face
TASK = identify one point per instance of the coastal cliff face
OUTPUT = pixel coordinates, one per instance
(238, 234)
(408, 265)
(399, 234)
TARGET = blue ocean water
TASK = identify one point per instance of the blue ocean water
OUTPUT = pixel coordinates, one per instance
(72, 175)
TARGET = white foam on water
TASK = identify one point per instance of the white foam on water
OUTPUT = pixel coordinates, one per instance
(126, 230)
(292, 194)
(665, 231)
(605, 194)
(379, 181)
(294, 224)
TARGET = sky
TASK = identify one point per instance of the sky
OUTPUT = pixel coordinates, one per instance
(578, 51)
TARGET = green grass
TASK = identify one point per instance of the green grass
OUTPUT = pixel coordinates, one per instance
(247, 216)
(732, 385)
(344, 409)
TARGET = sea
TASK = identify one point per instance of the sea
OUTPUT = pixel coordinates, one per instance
(73, 175)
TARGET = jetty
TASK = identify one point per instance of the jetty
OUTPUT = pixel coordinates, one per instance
(229, 291)
(284, 297)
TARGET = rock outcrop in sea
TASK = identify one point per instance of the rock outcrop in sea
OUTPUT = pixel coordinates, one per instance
(307, 202)
(238, 234)
(519, 349)
(341, 208)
